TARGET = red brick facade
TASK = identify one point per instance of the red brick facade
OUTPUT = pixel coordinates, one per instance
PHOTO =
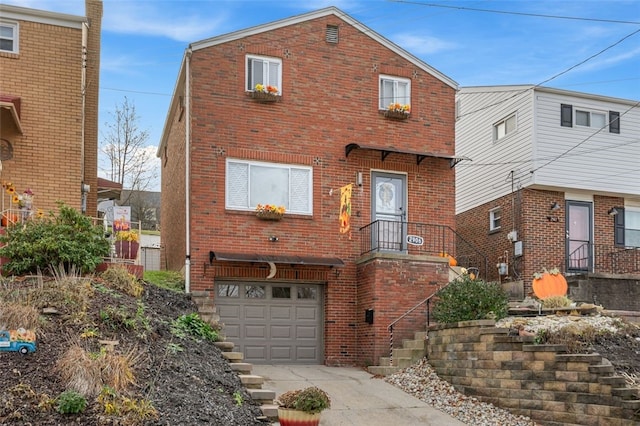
(58, 148)
(329, 99)
(541, 231)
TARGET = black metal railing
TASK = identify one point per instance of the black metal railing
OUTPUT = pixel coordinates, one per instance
(605, 259)
(421, 238)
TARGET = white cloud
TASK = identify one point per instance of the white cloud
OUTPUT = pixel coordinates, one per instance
(422, 45)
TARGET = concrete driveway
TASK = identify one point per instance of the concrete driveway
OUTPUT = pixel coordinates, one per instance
(357, 397)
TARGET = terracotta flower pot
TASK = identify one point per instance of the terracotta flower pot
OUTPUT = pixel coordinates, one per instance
(289, 417)
(127, 249)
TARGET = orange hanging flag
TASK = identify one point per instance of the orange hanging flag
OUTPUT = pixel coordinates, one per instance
(345, 208)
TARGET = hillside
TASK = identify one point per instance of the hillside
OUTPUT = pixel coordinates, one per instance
(154, 377)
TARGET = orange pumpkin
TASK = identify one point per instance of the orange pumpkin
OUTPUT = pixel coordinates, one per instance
(549, 284)
(452, 260)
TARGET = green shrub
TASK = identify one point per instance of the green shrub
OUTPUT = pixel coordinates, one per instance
(465, 299)
(71, 402)
(69, 239)
(193, 325)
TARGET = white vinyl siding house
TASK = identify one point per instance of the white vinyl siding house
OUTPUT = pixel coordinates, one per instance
(542, 152)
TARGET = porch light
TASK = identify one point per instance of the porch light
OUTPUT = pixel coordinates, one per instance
(612, 211)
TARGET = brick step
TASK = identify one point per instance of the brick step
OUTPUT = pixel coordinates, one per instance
(262, 396)
(251, 381)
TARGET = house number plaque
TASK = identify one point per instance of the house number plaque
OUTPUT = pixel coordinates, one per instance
(415, 240)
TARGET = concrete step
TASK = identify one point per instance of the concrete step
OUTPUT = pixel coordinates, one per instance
(414, 344)
(414, 354)
(270, 411)
(251, 381)
(241, 367)
(379, 370)
(625, 393)
(601, 369)
(420, 335)
(233, 356)
(263, 396)
(615, 381)
(224, 346)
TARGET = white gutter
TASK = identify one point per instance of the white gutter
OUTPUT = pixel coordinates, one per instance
(187, 183)
(83, 188)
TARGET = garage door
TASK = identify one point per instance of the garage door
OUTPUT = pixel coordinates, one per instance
(273, 323)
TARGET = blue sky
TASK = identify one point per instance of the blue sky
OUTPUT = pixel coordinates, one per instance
(472, 42)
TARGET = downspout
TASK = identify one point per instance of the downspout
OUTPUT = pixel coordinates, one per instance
(187, 183)
(84, 189)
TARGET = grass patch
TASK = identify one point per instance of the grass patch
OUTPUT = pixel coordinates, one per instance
(170, 280)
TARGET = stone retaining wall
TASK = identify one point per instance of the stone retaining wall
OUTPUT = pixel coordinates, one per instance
(542, 382)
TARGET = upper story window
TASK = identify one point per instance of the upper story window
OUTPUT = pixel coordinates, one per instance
(495, 219)
(250, 183)
(589, 118)
(394, 90)
(8, 37)
(627, 227)
(504, 127)
(265, 71)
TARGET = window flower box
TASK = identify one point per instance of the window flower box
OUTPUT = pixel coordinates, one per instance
(269, 212)
(263, 93)
(398, 111)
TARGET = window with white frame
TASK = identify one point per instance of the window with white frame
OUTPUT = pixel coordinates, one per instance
(495, 219)
(8, 37)
(394, 90)
(264, 70)
(627, 226)
(504, 127)
(249, 183)
(590, 118)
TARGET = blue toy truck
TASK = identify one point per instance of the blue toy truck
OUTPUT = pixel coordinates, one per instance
(20, 340)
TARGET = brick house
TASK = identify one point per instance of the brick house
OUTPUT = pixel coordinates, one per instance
(304, 289)
(50, 66)
(554, 180)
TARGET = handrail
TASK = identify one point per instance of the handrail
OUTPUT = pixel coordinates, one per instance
(390, 326)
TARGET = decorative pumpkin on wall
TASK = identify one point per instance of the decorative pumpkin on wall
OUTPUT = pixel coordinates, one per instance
(549, 283)
(452, 260)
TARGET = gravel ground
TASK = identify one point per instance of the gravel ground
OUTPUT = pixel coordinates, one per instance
(421, 380)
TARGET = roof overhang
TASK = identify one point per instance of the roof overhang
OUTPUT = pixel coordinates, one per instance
(10, 111)
(282, 259)
(385, 151)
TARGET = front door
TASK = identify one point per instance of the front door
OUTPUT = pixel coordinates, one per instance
(579, 237)
(388, 211)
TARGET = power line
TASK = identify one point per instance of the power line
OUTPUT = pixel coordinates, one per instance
(504, 12)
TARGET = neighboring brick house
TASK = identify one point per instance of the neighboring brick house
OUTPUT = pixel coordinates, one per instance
(49, 81)
(554, 180)
(298, 290)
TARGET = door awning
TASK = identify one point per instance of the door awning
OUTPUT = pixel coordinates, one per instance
(10, 110)
(385, 151)
(283, 259)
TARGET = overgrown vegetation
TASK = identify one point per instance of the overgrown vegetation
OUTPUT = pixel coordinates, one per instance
(41, 244)
(170, 280)
(194, 326)
(556, 302)
(466, 299)
(120, 279)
